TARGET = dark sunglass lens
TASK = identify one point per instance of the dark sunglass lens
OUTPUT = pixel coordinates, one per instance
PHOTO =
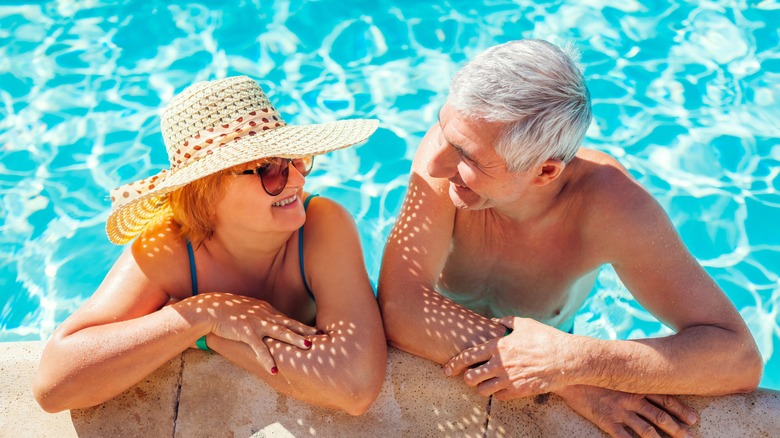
(274, 176)
(304, 165)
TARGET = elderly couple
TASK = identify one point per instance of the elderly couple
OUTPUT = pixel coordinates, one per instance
(505, 224)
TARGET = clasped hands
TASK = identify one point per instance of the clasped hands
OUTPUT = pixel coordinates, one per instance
(536, 358)
(251, 321)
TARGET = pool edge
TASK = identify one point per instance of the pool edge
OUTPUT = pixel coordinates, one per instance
(206, 396)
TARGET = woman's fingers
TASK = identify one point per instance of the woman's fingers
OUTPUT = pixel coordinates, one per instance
(283, 334)
(294, 325)
(262, 354)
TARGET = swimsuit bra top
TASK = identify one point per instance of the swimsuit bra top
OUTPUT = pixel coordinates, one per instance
(300, 257)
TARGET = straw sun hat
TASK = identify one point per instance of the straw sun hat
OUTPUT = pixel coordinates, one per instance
(212, 126)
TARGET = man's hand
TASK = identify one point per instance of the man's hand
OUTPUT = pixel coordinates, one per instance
(614, 412)
(532, 360)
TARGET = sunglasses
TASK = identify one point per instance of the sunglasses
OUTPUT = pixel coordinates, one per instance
(274, 174)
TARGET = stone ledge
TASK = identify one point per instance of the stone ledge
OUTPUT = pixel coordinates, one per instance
(200, 394)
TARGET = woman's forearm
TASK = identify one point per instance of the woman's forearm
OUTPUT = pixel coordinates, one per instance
(74, 367)
(340, 371)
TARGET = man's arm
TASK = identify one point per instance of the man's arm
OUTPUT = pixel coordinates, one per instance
(712, 352)
(418, 319)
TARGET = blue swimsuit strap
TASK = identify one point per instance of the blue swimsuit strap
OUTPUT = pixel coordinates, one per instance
(300, 249)
(192, 269)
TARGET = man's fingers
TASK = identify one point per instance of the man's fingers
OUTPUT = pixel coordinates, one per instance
(660, 419)
(488, 387)
(616, 430)
(641, 427)
(475, 376)
(507, 321)
(675, 407)
(467, 358)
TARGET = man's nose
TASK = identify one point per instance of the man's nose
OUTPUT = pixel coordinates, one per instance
(444, 161)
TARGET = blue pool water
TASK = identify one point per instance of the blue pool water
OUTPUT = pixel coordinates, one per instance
(686, 95)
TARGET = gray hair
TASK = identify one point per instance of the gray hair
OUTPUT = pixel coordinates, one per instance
(534, 87)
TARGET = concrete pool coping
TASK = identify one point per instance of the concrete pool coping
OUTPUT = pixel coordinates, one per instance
(199, 394)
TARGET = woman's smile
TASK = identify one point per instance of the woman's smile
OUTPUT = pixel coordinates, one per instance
(288, 202)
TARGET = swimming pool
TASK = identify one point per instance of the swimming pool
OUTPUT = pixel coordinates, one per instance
(686, 96)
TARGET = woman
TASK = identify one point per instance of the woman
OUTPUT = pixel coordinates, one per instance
(220, 263)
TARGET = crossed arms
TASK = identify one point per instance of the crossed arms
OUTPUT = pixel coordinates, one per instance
(125, 330)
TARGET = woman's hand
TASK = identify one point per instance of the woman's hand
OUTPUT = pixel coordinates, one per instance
(249, 320)
(616, 412)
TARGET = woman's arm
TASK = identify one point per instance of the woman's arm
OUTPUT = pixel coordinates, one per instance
(345, 367)
(123, 333)
(116, 339)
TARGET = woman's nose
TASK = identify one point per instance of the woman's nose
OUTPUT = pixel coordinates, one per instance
(295, 178)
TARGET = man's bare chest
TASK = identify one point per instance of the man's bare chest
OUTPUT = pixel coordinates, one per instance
(540, 273)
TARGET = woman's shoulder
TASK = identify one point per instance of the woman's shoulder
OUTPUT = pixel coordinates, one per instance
(326, 215)
(161, 253)
(327, 223)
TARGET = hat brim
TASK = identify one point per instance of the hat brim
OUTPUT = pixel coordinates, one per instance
(129, 219)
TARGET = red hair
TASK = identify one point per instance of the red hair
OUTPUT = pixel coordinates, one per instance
(193, 205)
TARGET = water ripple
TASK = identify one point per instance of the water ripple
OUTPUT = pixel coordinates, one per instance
(686, 95)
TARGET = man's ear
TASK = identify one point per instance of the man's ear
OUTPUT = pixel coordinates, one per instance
(548, 171)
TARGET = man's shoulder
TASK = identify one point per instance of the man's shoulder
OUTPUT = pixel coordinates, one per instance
(609, 194)
(602, 179)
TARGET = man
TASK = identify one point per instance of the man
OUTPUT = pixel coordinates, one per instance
(507, 216)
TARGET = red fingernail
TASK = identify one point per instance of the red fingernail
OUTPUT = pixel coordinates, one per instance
(320, 332)
(307, 343)
(274, 370)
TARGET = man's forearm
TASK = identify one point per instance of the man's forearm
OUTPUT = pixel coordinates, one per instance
(421, 321)
(702, 360)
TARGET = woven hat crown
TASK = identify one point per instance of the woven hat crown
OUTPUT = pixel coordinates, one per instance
(209, 105)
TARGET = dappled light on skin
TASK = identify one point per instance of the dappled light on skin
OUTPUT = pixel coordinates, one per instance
(443, 319)
(151, 242)
(326, 356)
(449, 319)
(327, 359)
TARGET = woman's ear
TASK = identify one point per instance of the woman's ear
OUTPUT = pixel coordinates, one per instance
(548, 171)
